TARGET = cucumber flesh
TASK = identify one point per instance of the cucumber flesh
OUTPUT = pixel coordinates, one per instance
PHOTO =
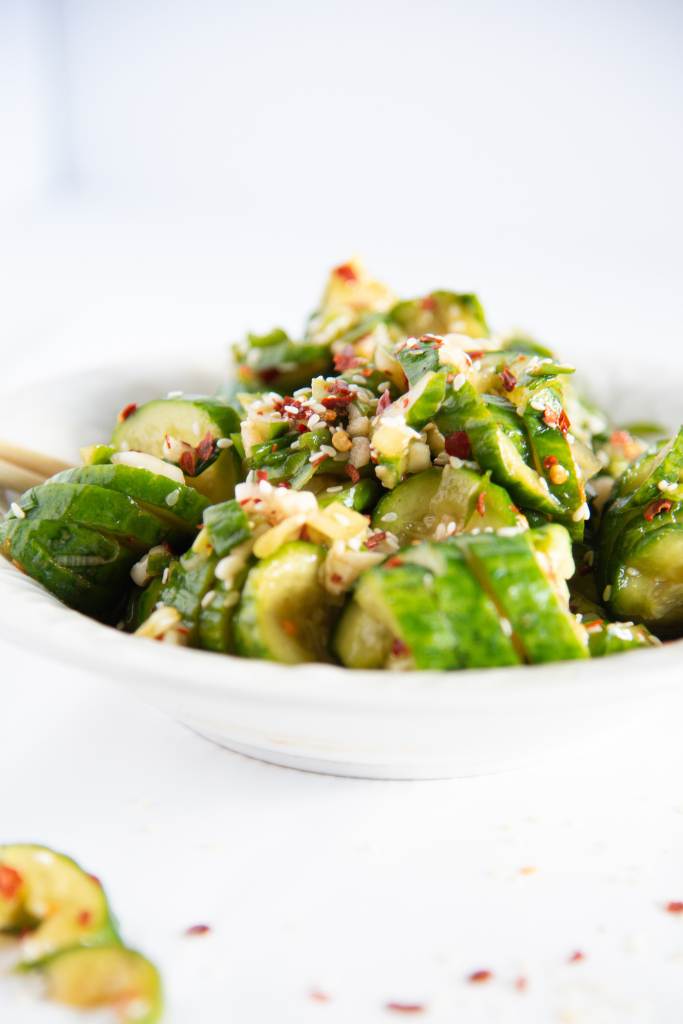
(190, 421)
(59, 904)
(284, 612)
(111, 976)
(361, 640)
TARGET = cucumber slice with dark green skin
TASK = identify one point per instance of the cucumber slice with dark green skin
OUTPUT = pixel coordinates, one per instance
(284, 613)
(478, 634)
(424, 399)
(52, 902)
(178, 506)
(276, 363)
(360, 497)
(197, 422)
(111, 976)
(605, 638)
(188, 582)
(403, 605)
(418, 507)
(509, 570)
(641, 542)
(494, 451)
(215, 625)
(141, 603)
(441, 312)
(227, 526)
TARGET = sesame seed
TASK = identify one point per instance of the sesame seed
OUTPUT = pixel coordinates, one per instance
(607, 592)
(164, 577)
(17, 510)
(174, 394)
(506, 626)
(172, 498)
(390, 517)
(208, 598)
(458, 381)
(224, 442)
(334, 490)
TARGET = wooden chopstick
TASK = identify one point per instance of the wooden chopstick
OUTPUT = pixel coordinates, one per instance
(16, 478)
(33, 462)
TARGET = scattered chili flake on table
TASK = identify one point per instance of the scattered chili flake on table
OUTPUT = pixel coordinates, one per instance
(477, 977)
(458, 444)
(319, 997)
(405, 1007)
(198, 929)
(577, 957)
(528, 869)
(521, 984)
(674, 907)
(127, 411)
(655, 507)
(508, 378)
(10, 882)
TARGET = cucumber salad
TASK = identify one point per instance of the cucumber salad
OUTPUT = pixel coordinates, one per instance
(398, 488)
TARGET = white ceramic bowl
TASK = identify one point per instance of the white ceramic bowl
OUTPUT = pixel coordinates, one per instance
(321, 717)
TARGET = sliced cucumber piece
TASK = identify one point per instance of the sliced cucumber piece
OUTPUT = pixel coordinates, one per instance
(361, 640)
(274, 362)
(227, 526)
(192, 426)
(215, 630)
(441, 312)
(52, 902)
(285, 613)
(179, 508)
(423, 506)
(496, 452)
(360, 497)
(605, 638)
(111, 976)
(509, 570)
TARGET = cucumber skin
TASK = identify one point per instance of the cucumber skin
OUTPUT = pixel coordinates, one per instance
(152, 993)
(508, 568)
(149, 489)
(215, 624)
(227, 526)
(106, 934)
(256, 635)
(603, 642)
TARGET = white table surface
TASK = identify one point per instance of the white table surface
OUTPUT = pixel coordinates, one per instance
(368, 892)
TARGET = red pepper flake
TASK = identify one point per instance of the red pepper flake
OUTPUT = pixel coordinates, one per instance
(481, 503)
(476, 977)
(206, 447)
(398, 648)
(375, 539)
(405, 1007)
(261, 474)
(384, 402)
(428, 303)
(655, 507)
(352, 472)
(367, 371)
(188, 461)
(270, 374)
(620, 437)
(346, 359)
(508, 378)
(563, 422)
(431, 339)
(346, 272)
(551, 417)
(336, 577)
(84, 918)
(340, 395)
(127, 411)
(10, 882)
(577, 957)
(286, 484)
(330, 416)
(674, 907)
(475, 353)
(521, 983)
(319, 997)
(393, 562)
(458, 444)
(289, 627)
(198, 929)
(549, 461)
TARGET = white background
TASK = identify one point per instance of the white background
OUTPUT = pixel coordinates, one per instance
(171, 173)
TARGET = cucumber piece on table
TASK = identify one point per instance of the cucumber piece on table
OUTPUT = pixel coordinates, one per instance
(284, 612)
(111, 976)
(51, 902)
(196, 425)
